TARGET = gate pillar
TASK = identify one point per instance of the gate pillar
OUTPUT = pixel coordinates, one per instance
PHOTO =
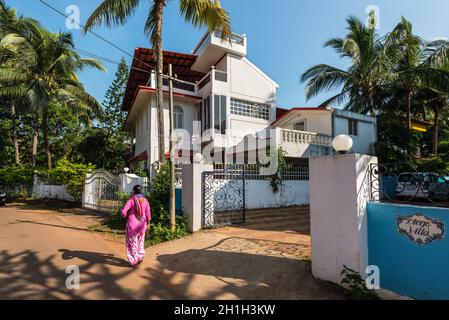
(192, 195)
(339, 193)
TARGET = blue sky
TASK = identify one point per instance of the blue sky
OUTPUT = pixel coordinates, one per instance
(285, 37)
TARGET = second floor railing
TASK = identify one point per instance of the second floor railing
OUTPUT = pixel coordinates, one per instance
(304, 137)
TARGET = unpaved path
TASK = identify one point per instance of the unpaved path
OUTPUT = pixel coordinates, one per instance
(36, 247)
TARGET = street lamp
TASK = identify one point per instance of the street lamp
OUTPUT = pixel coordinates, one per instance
(342, 143)
(198, 158)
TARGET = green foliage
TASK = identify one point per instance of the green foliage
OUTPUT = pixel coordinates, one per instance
(71, 175)
(112, 104)
(443, 147)
(438, 164)
(160, 191)
(160, 230)
(394, 142)
(355, 286)
(139, 169)
(102, 149)
(12, 177)
(276, 179)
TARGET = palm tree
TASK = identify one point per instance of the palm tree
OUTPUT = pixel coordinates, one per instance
(10, 22)
(419, 72)
(360, 83)
(41, 68)
(208, 13)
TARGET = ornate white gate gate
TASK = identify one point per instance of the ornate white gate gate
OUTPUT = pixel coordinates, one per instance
(100, 191)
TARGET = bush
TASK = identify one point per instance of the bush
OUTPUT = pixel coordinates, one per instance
(443, 147)
(13, 177)
(355, 286)
(72, 175)
(437, 164)
(160, 230)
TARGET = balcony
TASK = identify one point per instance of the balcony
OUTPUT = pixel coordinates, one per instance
(212, 48)
(303, 144)
(305, 137)
(190, 87)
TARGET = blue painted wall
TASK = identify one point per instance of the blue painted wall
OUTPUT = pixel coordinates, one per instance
(418, 271)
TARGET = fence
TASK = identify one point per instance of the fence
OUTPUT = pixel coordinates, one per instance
(293, 189)
(403, 183)
(252, 171)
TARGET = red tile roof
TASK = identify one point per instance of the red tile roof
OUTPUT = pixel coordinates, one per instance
(144, 62)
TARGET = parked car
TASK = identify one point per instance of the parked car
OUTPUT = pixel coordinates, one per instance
(2, 197)
(424, 185)
(440, 190)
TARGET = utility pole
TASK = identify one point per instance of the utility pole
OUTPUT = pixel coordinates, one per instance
(172, 152)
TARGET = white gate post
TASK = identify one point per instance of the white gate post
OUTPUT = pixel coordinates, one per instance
(192, 193)
(87, 191)
(339, 192)
(128, 181)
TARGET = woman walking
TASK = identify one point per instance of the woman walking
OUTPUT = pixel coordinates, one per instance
(138, 213)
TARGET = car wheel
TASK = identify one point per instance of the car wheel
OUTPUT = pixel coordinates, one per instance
(431, 196)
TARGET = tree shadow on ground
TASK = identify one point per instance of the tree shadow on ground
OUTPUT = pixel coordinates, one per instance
(247, 276)
(201, 274)
(24, 275)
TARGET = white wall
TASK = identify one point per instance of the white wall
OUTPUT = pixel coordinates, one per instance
(41, 191)
(146, 124)
(247, 82)
(259, 194)
(319, 121)
(367, 130)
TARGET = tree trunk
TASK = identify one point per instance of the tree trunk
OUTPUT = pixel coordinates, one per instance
(436, 125)
(14, 133)
(409, 112)
(45, 137)
(157, 46)
(35, 139)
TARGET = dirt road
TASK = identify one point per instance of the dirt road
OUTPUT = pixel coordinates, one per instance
(36, 247)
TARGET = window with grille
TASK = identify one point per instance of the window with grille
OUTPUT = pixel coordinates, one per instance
(301, 126)
(250, 109)
(178, 117)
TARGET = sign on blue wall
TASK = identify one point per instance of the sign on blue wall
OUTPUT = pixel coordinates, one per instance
(410, 245)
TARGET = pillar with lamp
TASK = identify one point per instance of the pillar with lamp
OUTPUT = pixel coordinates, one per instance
(342, 143)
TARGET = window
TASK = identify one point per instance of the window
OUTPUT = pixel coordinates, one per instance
(220, 113)
(205, 114)
(250, 109)
(301, 126)
(352, 127)
(178, 117)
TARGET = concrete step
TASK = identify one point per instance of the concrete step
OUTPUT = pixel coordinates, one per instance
(279, 225)
(295, 218)
(276, 212)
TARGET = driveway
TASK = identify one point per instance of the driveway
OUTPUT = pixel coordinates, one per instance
(249, 262)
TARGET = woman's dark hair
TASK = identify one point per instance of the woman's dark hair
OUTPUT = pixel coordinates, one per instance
(137, 189)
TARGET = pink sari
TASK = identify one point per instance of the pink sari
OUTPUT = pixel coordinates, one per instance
(138, 212)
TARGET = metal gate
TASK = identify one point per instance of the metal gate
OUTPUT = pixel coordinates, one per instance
(223, 200)
(100, 191)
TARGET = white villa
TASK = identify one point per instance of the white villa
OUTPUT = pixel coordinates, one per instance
(225, 91)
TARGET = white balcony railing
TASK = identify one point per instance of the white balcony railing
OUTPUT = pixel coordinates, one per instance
(304, 137)
(213, 74)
